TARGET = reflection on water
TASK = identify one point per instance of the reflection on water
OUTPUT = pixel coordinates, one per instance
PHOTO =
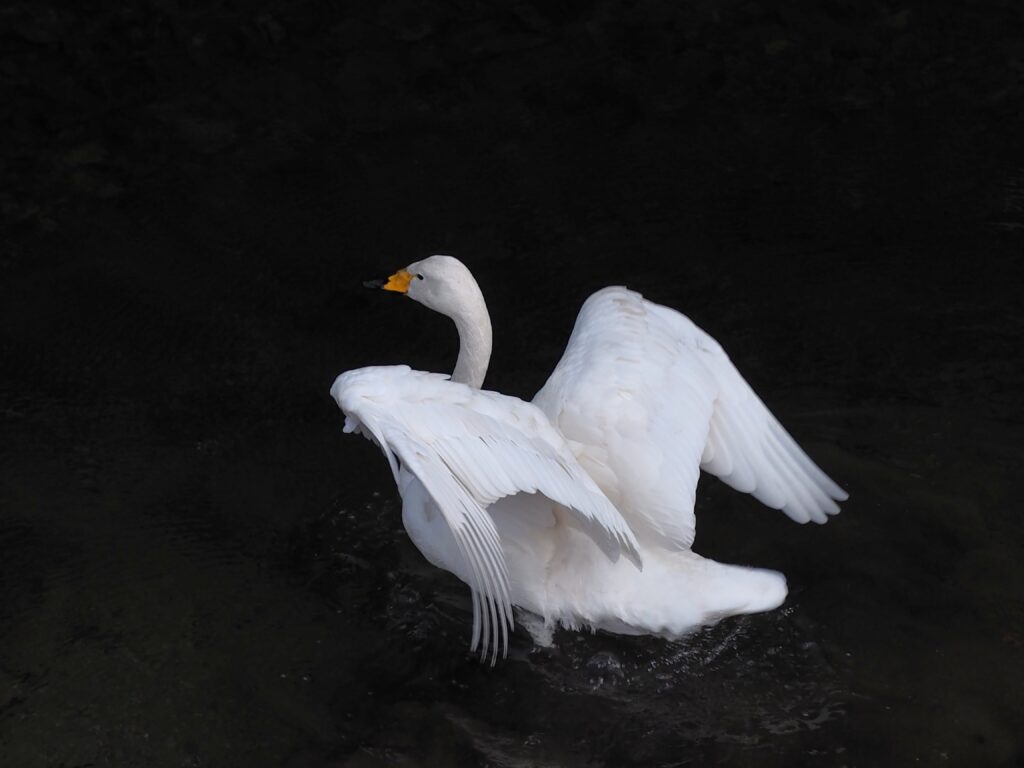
(739, 687)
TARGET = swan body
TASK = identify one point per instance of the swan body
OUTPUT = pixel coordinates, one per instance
(579, 506)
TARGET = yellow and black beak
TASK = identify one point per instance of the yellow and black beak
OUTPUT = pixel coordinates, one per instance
(398, 282)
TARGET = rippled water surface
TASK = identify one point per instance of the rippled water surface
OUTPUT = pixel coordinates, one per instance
(197, 568)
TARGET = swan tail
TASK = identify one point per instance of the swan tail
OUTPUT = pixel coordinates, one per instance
(730, 590)
(679, 592)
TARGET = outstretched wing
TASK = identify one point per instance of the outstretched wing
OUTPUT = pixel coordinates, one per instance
(469, 448)
(646, 398)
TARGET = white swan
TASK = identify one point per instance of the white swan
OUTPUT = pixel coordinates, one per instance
(578, 507)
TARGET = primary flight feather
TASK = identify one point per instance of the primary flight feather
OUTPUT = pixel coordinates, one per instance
(535, 504)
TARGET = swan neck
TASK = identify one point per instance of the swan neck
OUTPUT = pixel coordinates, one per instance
(474, 326)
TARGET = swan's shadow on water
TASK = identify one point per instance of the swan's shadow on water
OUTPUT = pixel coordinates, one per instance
(726, 693)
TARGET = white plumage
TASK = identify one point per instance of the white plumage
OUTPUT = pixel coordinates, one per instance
(533, 504)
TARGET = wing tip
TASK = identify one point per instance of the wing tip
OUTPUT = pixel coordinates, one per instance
(482, 644)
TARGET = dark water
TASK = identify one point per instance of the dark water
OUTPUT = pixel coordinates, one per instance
(198, 569)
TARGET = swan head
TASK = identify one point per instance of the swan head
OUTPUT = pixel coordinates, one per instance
(444, 284)
(441, 283)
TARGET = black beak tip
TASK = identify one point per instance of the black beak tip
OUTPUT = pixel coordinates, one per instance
(374, 283)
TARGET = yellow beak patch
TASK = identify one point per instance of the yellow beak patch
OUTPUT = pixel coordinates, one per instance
(398, 282)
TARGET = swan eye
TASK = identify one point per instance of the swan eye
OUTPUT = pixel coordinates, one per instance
(419, 277)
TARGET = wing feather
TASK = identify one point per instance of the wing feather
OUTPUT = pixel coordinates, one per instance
(645, 396)
(470, 448)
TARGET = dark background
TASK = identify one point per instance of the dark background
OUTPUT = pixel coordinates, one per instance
(198, 568)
